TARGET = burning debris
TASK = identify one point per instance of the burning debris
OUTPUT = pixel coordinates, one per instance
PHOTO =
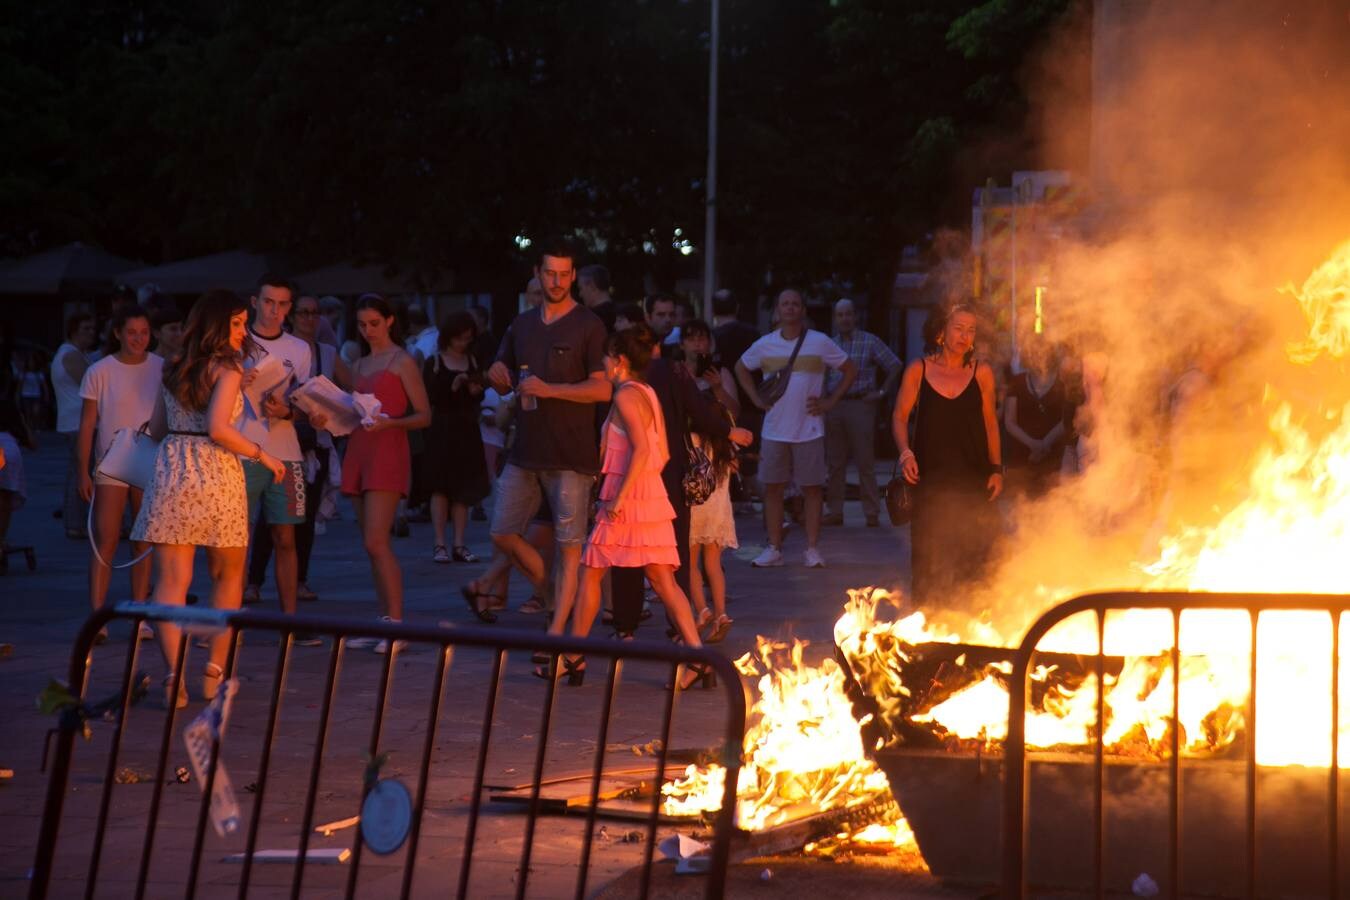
(803, 749)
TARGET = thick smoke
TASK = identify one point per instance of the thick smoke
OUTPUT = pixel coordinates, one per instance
(1220, 172)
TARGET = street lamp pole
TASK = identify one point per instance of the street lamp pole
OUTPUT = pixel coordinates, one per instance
(710, 182)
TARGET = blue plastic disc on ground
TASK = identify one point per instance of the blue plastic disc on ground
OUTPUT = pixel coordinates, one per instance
(386, 816)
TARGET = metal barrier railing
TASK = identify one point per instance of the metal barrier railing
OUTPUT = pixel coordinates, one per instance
(499, 642)
(1016, 813)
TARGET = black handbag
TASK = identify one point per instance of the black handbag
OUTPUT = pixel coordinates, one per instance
(899, 498)
(772, 388)
(700, 478)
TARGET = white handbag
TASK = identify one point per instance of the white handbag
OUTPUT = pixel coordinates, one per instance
(131, 457)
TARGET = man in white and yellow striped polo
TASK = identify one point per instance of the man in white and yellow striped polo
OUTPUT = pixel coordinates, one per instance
(793, 437)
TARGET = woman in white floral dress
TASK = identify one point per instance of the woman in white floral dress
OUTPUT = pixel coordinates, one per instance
(197, 496)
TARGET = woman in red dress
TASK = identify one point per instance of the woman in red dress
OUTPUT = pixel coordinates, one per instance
(378, 466)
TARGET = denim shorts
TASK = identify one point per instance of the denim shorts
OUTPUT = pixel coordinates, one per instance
(519, 492)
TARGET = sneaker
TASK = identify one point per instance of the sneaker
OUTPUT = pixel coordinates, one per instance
(812, 559)
(832, 519)
(382, 645)
(305, 639)
(771, 556)
(365, 643)
(252, 594)
(144, 632)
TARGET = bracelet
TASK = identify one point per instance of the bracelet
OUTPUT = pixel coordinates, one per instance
(257, 452)
(906, 454)
(996, 468)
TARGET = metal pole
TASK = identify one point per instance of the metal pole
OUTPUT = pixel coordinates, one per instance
(710, 216)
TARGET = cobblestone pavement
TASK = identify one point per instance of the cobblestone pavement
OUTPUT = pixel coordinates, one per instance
(42, 610)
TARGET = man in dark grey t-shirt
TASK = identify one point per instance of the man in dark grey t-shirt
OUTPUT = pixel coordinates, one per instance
(556, 451)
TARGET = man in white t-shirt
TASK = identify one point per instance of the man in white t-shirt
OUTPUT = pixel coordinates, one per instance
(792, 441)
(273, 428)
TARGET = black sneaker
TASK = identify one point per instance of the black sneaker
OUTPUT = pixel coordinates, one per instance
(305, 639)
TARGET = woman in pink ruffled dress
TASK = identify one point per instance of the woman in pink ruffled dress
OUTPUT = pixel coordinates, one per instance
(634, 523)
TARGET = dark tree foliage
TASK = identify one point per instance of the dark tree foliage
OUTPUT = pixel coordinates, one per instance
(432, 134)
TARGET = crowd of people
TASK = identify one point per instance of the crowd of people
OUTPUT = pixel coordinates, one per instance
(614, 443)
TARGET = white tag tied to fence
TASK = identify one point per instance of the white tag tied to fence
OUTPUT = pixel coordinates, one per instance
(198, 737)
(386, 816)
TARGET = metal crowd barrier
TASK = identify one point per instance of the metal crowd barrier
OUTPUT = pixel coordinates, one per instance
(498, 641)
(1016, 802)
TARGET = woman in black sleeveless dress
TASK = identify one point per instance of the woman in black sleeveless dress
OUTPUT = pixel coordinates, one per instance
(955, 461)
(454, 470)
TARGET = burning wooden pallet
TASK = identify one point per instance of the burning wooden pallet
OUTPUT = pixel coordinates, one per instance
(626, 795)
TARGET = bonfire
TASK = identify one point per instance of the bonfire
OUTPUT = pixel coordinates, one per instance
(901, 679)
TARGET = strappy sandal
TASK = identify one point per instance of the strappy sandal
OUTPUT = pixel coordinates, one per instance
(534, 605)
(211, 676)
(703, 676)
(471, 598)
(573, 668)
(720, 629)
(703, 619)
(440, 554)
(464, 555)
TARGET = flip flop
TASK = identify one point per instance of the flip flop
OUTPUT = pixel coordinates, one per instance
(471, 598)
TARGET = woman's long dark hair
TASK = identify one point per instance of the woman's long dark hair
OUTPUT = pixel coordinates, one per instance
(936, 323)
(206, 342)
(121, 317)
(385, 309)
(454, 325)
(721, 451)
(635, 344)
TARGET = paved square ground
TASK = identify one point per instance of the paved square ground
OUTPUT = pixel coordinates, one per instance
(41, 612)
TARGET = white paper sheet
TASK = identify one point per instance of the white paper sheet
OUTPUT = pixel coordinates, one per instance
(273, 372)
(345, 412)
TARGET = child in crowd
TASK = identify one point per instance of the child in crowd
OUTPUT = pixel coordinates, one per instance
(712, 529)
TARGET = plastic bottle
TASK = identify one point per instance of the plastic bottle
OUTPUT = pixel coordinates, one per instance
(526, 403)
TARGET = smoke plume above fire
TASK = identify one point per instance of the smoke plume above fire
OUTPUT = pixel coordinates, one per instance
(1218, 214)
